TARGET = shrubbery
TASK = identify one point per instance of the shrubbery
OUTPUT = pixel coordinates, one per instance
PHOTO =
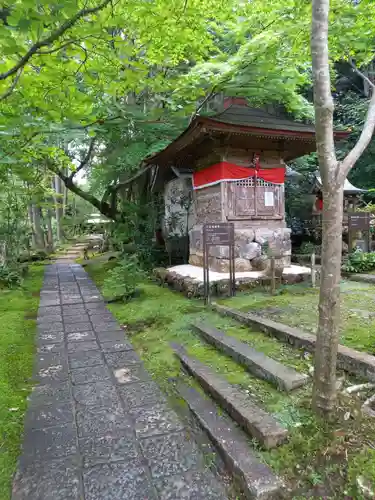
(121, 281)
(11, 277)
(360, 262)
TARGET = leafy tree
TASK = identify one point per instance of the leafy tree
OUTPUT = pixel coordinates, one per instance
(75, 72)
(333, 173)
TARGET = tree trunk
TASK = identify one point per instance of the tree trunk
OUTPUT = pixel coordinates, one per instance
(49, 229)
(39, 233)
(109, 210)
(65, 191)
(324, 393)
(333, 175)
(58, 208)
(32, 227)
(103, 207)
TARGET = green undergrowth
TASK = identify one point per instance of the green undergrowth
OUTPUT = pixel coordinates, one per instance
(319, 457)
(297, 305)
(18, 311)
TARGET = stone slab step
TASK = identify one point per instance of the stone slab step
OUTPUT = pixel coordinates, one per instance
(255, 479)
(257, 422)
(356, 362)
(256, 362)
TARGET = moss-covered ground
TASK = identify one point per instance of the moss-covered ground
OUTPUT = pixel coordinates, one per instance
(320, 460)
(297, 305)
(18, 312)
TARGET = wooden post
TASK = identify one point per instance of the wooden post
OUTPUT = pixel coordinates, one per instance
(273, 277)
(313, 270)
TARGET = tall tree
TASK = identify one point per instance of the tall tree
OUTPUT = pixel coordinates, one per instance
(58, 207)
(39, 232)
(32, 226)
(333, 174)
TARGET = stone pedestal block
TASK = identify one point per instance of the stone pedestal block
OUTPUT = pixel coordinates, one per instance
(250, 244)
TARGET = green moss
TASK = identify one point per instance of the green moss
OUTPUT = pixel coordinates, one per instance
(313, 456)
(18, 309)
(297, 305)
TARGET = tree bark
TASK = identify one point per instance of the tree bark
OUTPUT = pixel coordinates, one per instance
(32, 227)
(324, 393)
(65, 198)
(49, 229)
(104, 208)
(333, 174)
(58, 207)
(39, 233)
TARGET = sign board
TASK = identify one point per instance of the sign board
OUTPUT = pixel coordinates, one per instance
(359, 221)
(218, 234)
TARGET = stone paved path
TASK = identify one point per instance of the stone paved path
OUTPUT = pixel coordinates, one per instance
(98, 427)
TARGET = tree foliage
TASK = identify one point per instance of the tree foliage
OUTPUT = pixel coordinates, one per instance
(89, 88)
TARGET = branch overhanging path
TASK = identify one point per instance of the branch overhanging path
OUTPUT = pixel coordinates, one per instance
(55, 35)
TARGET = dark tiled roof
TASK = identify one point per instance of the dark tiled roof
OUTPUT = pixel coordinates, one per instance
(254, 117)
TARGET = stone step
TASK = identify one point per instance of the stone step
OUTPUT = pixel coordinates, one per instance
(254, 478)
(256, 362)
(348, 359)
(257, 422)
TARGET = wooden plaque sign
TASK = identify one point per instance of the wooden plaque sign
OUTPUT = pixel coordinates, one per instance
(359, 221)
(218, 234)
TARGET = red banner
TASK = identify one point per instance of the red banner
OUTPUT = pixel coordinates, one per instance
(225, 171)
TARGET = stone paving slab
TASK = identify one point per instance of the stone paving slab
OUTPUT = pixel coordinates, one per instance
(256, 362)
(52, 480)
(97, 426)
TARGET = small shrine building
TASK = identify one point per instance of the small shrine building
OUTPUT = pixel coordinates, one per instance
(352, 198)
(230, 167)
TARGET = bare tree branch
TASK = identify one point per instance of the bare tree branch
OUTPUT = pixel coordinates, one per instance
(52, 37)
(362, 75)
(362, 143)
(84, 59)
(65, 44)
(56, 49)
(84, 161)
(12, 86)
(130, 180)
(207, 98)
(103, 207)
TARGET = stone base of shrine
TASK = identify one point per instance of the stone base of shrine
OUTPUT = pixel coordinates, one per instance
(188, 279)
(249, 245)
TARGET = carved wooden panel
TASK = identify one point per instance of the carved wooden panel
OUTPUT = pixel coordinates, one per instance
(249, 198)
(242, 196)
